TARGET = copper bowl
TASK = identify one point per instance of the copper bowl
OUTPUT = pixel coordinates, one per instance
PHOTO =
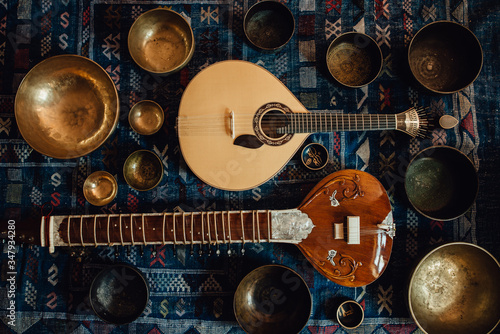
(455, 289)
(272, 299)
(100, 188)
(119, 294)
(354, 59)
(143, 170)
(445, 57)
(146, 117)
(269, 25)
(161, 41)
(441, 183)
(66, 107)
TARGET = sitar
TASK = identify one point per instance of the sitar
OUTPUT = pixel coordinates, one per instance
(238, 125)
(344, 228)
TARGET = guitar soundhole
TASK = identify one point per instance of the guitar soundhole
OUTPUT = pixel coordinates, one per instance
(273, 123)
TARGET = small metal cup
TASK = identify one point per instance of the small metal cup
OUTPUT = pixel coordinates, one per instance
(143, 170)
(146, 117)
(350, 314)
(100, 188)
(314, 156)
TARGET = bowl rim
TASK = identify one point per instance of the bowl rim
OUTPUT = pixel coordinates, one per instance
(466, 29)
(460, 153)
(117, 109)
(425, 257)
(115, 187)
(191, 48)
(159, 162)
(274, 265)
(143, 132)
(372, 41)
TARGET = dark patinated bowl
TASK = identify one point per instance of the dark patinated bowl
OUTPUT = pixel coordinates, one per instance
(445, 57)
(354, 59)
(143, 170)
(119, 294)
(161, 41)
(441, 183)
(269, 25)
(454, 290)
(272, 299)
(314, 156)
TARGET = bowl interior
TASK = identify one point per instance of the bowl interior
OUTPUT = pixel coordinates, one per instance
(314, 156)
(119, 294)
(269, 25)
(272, 299)
(441, 183)
(100, 188)
(161, 41)
(143, 170)
(354, 59)
(146, 117)
(66, 107)
(445, 57)
(455, 289)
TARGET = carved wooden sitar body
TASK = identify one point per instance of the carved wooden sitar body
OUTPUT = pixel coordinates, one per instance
(344, 227)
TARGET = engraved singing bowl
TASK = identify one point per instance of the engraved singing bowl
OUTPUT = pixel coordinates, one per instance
(354, 59)
(119, 294)
(143, 170)
(272, 299)
(146, 117)
(455, 289)
(441, 183)
(66, 107)
(161, 41)
(100, 188)
(445, 57)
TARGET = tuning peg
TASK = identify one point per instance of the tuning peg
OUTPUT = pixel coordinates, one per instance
(141, 250)
(154, 251)
(127, 248)
(242, 251)
(217, 251)
(174, 250)
(117, 252)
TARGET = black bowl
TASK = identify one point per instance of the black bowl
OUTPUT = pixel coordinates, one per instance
(441, 183)
(445, 57)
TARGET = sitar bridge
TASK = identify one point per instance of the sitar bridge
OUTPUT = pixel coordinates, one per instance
(352, 227)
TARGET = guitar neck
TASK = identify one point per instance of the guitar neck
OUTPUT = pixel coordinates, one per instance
(215, 228)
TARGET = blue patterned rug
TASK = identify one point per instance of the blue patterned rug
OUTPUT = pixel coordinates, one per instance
(193, 294)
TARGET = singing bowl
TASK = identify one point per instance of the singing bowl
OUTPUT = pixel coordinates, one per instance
(314, 156)
(441, 183)
(119, 294)
(354, 59)
(269, 25)
(455, 289)
(272, 299)
(146, 117)
(445, 57)
(100, 188)
(143, 170)
(66, 107)
(161, 41)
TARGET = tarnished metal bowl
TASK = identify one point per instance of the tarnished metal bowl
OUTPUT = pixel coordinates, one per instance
(269, 25)
(161, 41)
(119, 294)
(143, 170)
(146, 117)
(354, 59)
(100, 188)
(272, 299)
(455, 290)
(441, 183)
(445, 57)
(66, 107)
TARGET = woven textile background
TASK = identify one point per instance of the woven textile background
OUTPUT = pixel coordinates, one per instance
(193, 294)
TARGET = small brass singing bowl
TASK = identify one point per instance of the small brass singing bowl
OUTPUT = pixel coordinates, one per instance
(146, 117)
(66, 107)
(269, 25)
(354, 59)
(272, 299)
(454, 290)
(314, 156)
(161, 41)
(350, 314)
(100, 188)
(143, 170)
(445, 57)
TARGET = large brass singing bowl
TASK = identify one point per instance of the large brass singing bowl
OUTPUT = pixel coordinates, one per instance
(272, 299)
(66, 107)
(456, 289)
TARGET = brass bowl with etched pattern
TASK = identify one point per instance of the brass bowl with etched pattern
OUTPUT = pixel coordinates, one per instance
(143, 170)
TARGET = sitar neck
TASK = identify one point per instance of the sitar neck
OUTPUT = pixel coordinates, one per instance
(413, 122)
(215, 228)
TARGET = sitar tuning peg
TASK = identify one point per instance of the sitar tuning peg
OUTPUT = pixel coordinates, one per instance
(191, 252)
(174, 251)
(141, 250)
(117, 252)
(154, 251)
(128, 250)
(217, 251)
(242, 249)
